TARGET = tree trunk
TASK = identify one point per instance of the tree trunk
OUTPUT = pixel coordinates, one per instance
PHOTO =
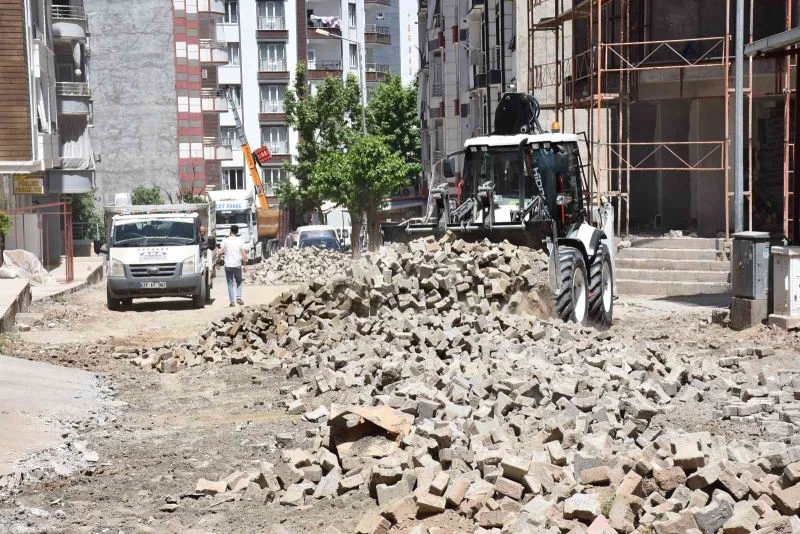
(2, 248)
(373, 228)
(355, 236)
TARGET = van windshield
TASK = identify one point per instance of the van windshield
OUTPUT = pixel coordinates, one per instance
(241, 217)
(159, 232)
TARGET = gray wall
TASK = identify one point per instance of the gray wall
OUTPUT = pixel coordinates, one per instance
(133, 85)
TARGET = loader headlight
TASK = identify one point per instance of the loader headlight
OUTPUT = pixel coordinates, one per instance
(189, 265)
(117, 269)
(564, 200)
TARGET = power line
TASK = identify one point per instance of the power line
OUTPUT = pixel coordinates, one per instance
(136, 39)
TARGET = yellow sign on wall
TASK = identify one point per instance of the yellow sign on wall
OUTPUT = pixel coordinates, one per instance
(28, 184)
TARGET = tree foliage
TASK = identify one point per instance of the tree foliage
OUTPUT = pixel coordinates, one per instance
(392, 115)
(327, 122)
(145, 196)
(89, 221)
(358, 180)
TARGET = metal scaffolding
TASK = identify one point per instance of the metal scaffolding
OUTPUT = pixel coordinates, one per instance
(601, 48)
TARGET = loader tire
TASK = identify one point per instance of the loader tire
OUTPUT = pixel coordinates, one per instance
(572, 299)
(601, 289)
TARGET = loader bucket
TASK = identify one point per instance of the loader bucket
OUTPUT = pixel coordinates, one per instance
(531, 235)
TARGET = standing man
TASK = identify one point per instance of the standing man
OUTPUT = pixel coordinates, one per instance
(235, 256)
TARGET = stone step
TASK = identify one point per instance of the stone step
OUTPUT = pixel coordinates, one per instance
(670, 254)
(686, 243)
(658, 275)
(670, 289)
(673, 265)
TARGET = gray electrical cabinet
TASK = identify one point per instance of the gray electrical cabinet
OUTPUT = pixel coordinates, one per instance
(750, 260)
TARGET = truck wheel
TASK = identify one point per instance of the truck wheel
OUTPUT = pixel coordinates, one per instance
(112, 303)
(601, 289)
(201, 298)
(572, 300)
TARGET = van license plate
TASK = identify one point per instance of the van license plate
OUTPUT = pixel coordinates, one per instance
(152, 285)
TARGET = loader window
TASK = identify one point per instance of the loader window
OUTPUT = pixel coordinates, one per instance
(500, 166)
(568, 181)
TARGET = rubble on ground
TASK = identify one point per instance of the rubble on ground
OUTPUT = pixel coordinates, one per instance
(299, 265)
(425, 394)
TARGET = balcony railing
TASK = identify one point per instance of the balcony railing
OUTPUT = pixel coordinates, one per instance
(272, 106)
(73, 89)
(277, 147)
(377, 67)
(377, 29)
(437, 89)
(213, 44)
(271, 23)
(272, 65)
(69, 12)
(326, 65)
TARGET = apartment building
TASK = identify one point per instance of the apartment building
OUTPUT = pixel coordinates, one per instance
(45, 147)
(467, 61)
(157, 111)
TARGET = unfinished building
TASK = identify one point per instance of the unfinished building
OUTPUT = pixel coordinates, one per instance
(650, 83)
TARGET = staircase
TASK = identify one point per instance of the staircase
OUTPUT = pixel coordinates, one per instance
(669, 267)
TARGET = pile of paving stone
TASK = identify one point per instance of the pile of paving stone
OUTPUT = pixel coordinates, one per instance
(428, 397)
(297, 265)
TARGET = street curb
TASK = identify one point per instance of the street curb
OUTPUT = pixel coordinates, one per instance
(20, 304)
(95, 277)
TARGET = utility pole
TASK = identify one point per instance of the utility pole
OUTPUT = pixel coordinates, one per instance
(738, 124)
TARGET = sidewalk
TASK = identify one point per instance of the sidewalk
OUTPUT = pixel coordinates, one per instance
(88, 271)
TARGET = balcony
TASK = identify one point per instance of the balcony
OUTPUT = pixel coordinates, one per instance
(319, 70)
(272, 112)
(213, 52)
(272, 69)
(69, 23)
(376, 72)
(217, 149)
(271, 23)
(437, 89)
(376, 34)
(272, 106)
(329, 33)
(211, 102)
(213, 7)
(74, 98)
(277, 147)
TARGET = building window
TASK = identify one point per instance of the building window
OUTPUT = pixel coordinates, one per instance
(351, 14)
(272, 98)
(235, 91)
(275, 138)
(272, 57)
(233, 53)
(229, 137)
(354, 57)
(272, 176)
(233, 178)
(271, 16)
(231, 12)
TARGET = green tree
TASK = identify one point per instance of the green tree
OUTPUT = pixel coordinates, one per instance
(392, 115)
(328, 121)
(88, 220)
(358, 180)
(145, 196)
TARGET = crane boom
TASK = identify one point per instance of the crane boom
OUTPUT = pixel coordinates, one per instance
(248, 154)
(267, 217)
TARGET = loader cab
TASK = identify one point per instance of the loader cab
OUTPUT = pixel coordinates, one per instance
(512, 164)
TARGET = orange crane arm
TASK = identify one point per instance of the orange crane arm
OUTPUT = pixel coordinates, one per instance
(248, 154)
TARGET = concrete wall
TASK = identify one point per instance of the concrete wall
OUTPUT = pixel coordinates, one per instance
(385, 54)
(135, 107)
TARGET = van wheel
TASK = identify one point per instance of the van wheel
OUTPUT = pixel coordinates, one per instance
(572, 299)
(601, 289)
(112, 303)
(201, 298)
(127, 303)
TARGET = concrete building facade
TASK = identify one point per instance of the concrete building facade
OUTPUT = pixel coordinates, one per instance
(157, 107)
(46, 152)
(266, 40)
(467, 62)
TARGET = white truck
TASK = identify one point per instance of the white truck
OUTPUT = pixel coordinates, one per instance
(158, 251)
(238, 206)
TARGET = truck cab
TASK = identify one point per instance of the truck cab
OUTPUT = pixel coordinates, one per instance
(158, 251)
(237, 206)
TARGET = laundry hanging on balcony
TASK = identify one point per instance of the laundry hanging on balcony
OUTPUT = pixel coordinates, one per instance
(325, 22)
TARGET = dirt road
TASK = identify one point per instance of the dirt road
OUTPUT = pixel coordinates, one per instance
(212, 420)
